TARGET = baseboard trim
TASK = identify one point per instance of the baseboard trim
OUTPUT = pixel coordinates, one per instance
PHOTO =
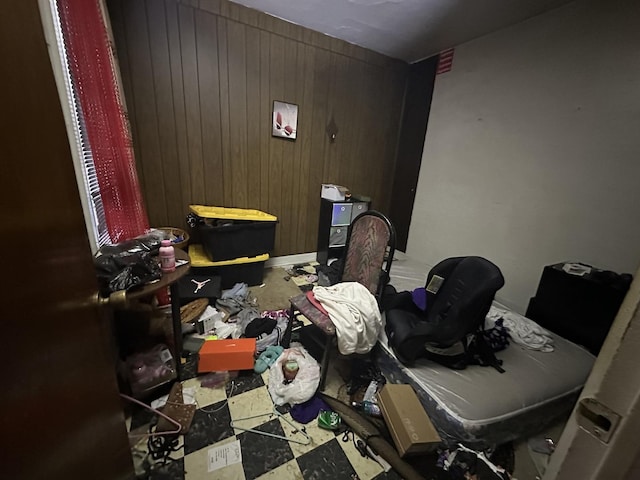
(291, 259)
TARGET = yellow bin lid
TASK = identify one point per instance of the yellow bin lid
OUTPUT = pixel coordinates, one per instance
(232, 213)
(199, 258)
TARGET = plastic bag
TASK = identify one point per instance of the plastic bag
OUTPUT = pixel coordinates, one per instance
(303, 386)
(463, 463)
(226, 329)
(128, 264)
(125, 271)
(217, 379)
(149, 242)
(150, 368)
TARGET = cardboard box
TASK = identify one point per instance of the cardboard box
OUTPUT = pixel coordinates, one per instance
(408, 423)
(336, 193)
(227, 355)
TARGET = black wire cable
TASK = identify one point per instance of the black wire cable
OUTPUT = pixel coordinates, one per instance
(162, 446)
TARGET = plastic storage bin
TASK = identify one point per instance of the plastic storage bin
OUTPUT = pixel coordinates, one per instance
(230, 233)
(249, 270)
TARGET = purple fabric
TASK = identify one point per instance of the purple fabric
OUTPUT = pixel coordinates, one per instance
(309, 410)
(419, 296)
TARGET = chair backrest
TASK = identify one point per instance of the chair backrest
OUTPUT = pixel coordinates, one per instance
(371, 242)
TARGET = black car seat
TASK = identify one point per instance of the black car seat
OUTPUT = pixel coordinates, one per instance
(459, 293)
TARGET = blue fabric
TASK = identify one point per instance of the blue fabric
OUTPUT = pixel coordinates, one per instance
(267, 358)
(419, 296)
(309, 410)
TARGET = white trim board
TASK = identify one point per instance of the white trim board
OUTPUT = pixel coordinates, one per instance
(291, 259)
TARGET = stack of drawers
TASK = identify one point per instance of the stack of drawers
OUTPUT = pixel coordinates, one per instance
(335, 218)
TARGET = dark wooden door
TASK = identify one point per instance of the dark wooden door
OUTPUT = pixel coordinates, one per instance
(417, 105)
(60, 413)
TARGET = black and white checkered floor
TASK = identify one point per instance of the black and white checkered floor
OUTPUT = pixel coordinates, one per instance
(326, 456)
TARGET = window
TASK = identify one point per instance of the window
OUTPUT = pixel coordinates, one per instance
(87, 170)
(98, 129)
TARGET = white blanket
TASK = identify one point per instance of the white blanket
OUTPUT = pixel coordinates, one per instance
(523, 330)
(354, 312)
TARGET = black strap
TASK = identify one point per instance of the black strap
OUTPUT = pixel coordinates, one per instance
(481, 353)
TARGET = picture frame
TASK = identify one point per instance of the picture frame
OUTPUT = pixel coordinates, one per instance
(285, 120)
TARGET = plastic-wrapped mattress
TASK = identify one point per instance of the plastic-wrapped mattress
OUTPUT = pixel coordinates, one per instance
(479, 406)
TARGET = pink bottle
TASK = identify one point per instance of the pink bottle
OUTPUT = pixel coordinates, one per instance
(167, 257)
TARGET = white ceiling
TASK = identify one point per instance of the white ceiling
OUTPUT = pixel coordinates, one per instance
(410, 30)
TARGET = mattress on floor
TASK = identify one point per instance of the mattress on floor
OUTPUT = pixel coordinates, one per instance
(479, 406)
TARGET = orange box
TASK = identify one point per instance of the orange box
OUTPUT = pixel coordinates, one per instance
(227, 355)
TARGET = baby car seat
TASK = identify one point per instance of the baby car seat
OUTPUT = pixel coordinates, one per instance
(459, 294)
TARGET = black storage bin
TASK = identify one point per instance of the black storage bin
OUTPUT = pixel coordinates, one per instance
(238, 239)
(239, 270)
(230, 233)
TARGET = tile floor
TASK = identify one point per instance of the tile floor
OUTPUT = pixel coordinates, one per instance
(326, 456)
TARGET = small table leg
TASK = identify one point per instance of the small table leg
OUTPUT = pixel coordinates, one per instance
(324, 364)
(177, 328)
(286, 338)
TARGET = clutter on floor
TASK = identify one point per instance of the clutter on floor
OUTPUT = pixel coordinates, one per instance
(304, 275)
(311, 274)
(464, 463)
(306, 440)
(410, 427)
(237, 405)
(285, 387)
(255, 387)
(248, 403)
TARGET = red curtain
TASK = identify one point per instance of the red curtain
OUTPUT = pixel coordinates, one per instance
(93, 72)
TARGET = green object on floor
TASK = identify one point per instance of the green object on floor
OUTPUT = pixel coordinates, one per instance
(329, 420)
(267, 358)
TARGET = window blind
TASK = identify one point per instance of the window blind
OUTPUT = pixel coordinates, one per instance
(104, 136)
(90, 179)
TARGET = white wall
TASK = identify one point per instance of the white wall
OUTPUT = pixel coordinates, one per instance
(532, 154)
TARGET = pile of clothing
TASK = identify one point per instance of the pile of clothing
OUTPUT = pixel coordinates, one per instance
(354, 312)
(236, 315)
(522, 330)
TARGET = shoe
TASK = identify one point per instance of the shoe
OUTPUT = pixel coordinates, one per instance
(267, 358)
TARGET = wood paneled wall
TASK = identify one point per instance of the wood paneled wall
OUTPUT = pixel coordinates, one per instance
(200, 78)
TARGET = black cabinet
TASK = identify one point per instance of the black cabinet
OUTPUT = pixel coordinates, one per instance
(335, 218)
(578, 308)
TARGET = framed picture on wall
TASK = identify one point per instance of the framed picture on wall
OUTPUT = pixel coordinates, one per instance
(285, 120)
